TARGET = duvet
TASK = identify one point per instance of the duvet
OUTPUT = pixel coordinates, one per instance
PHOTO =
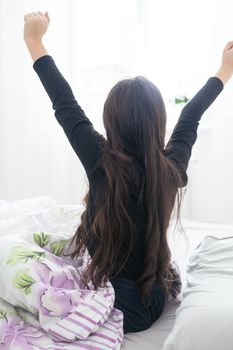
(43, 304)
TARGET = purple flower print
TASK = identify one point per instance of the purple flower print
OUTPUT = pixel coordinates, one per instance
(17, 334)
(42, 270)
(56, 302)
(61, 280)
(55, 288)
(57, 298)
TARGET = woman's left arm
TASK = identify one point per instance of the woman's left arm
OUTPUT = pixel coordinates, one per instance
(184, 135)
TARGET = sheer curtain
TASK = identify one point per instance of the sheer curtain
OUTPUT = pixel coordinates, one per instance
(35, 157)
(95, 43)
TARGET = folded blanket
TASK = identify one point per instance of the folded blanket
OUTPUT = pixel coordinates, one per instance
(43, 304)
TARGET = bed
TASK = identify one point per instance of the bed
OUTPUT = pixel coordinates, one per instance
(182, 246)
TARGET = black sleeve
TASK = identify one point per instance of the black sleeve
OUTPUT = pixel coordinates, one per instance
(184, 135)
(78, 128)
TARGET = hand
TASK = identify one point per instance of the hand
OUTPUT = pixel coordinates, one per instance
(35, 26)
(227, 58)
(226, 69)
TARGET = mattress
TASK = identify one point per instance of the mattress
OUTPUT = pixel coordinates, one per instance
(182, 245)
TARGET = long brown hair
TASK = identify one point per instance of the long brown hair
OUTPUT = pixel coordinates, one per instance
(135, 121)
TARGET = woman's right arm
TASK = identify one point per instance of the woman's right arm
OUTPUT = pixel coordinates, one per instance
(85, 140)
(179, 146)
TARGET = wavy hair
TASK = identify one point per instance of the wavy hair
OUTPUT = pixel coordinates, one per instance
(135, 121)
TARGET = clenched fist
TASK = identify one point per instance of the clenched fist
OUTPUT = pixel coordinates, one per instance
(35, 25)
(227, 57)
(225, 71)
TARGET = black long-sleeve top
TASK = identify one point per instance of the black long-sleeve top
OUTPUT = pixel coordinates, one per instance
(87, 142)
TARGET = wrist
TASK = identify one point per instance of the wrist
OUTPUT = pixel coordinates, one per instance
(33, 40)
(36, 48)
(223, 74)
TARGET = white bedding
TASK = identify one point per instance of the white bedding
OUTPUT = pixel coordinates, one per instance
(154, 337)
(204, 319)
(10, 210)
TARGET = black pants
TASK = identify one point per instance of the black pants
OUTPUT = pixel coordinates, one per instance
(137, 317)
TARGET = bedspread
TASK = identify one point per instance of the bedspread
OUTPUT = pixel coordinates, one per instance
(43, 304)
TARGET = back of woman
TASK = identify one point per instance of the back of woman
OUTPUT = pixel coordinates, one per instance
(134, 179)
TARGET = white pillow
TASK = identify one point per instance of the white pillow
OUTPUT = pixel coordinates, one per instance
(204, 321)
(25, 206)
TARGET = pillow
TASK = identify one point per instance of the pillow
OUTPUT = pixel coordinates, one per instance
(205, 318)
(13, 209)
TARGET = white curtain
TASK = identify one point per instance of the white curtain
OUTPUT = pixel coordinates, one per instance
(89, 43)
(95, 43)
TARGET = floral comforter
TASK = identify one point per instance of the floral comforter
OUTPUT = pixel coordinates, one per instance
(42, 302)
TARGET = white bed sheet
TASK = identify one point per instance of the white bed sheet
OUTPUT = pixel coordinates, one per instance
(154, 337)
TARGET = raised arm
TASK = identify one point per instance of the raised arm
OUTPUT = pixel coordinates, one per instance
(85, 141)
(179, 147)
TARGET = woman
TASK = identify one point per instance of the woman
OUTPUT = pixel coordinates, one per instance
(134, 179)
